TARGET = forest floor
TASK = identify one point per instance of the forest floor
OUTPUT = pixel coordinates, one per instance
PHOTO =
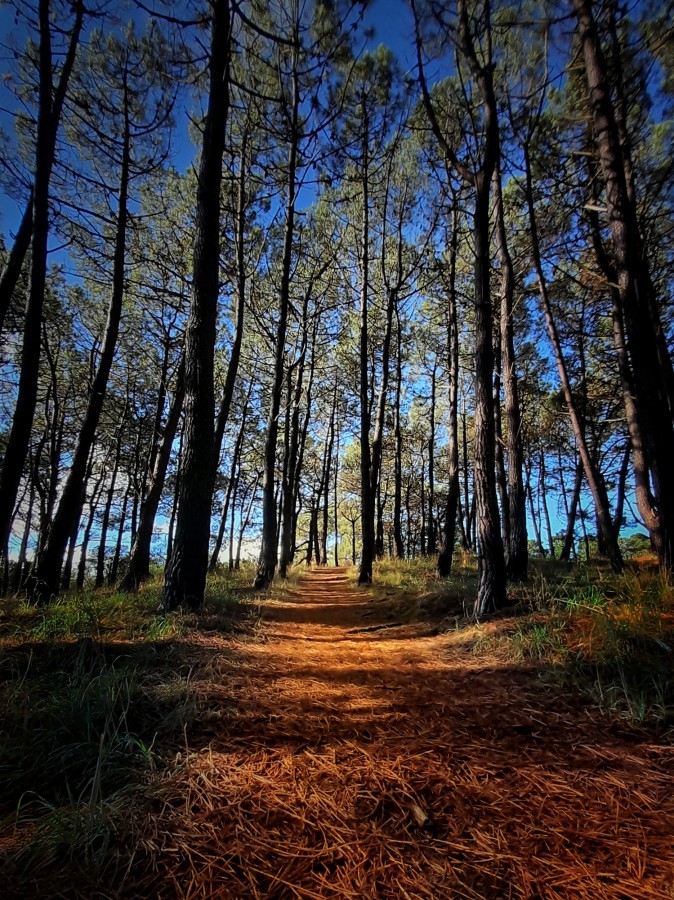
(342, 748)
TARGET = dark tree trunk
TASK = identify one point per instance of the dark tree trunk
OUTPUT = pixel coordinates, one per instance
(18, 440)
(408, 519)
(44, 582)
(107, 509)
(491, 592)
(67, 571)
(532, 511)
(446, 555)
(567, 548)
(138, 482)
(620, 490)
(236, 457)
(245, 520)
(235, 492)
(269, 549)
(500, 468)
(138, 569)
(114, 566)
(543, 494)
(326, 481)
(335, 500)
(431, 470)
(95, 497)
(235, 353)
(20, 567)
(636, 314)
(292, 441)
(176, 499)
(467, 501)
(366, 489)
(12, 270)
(517, 552)
(592, 474)
(302, 446)
(185, 582)
(22, 241)
(398, 472)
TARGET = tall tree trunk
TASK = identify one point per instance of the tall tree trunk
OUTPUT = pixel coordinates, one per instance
(44, 582)
(335, 500)
(138, 568)
(185, 581)
(398, 466)
(592, 474)
(100, 559)
(491, 591)
(467, 502)
(12, 270)
(446, 555)
(176, 499)
(235, 492)
(95, 497)
(431, 468)
(544, 503)
(636, 313)
(269, 548)
(236, 457)
(114, 566)
(422, 506)
(304, 430)
(18, 440)
(290, 473)
(517, 552)
(235, 352)
(245, 520)
(326, 481)
(20, 566)
(532, 511)
(567, 548)
(366, 488)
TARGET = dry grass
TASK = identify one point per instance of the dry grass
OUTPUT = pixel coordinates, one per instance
(329, 759)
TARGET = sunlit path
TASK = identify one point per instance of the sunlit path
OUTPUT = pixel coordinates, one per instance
(335, 761)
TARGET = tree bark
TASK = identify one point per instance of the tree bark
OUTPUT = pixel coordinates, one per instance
(269, 550)
(517, 552)
(100, 558)
(431, 543)
(18, 441)
(185, 582)
(446, 555)
(22, 241)
(398, 463)
(636, 313)
(592, 475)
(138, 568)
(366, 489)
(44, 582)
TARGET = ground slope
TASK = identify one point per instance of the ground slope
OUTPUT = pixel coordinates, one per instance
(341, 755)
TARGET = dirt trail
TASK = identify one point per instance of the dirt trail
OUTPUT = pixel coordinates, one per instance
(339, 762)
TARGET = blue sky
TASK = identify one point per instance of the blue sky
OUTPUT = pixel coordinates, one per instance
(391, 21)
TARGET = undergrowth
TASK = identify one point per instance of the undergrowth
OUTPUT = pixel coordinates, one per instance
(95, 689)
(609, 637)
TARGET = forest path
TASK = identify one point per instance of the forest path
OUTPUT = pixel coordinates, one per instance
(341, 762)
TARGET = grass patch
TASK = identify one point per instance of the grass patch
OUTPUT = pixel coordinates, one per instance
(97, 690)
(609, 637)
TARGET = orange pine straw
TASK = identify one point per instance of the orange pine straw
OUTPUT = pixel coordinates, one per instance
(328, 761)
